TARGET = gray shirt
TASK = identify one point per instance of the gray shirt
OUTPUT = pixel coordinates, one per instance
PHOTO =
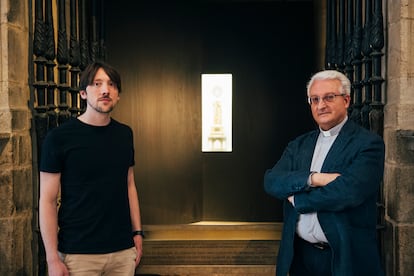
(308, 227)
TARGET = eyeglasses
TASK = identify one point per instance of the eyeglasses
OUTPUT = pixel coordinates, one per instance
(326, 99)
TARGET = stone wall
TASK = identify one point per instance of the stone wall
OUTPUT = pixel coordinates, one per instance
(399, 139)
(16, 192)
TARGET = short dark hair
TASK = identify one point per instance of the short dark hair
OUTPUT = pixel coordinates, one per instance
(87, 75)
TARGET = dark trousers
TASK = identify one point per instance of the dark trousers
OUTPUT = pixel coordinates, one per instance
(311, 259)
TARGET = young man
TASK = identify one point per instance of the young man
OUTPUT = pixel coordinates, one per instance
(89, 160)
(329, 179)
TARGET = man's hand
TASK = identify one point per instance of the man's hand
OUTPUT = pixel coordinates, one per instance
(138, 246)
(323, 179)
(318, 180)
(57, 268)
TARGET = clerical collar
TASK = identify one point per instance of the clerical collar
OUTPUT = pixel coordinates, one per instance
(335, 130)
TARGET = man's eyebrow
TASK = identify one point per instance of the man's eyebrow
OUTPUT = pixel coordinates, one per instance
(326, 93)
(102, 80)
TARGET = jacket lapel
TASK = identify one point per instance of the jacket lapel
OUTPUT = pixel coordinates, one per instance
(306, 156)
(339, 146)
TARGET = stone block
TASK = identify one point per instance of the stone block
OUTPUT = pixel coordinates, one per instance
(15, 246)
(17, 14)
(405, 146)
(406, 86)
(17, 41)
(407, 51)
(390, 141)
(4, 95)
(6, 194)
(6, 261)
(389, 249)
(399, 193)
(394, 51)
(405, 249)
(22, 189)
(394, 11)
(400, 52)
(393, 92)
(406, 118)
(399, 94)
(400, 146)
(20, 119)
(390, 118)
(5, 149)
(18, 96)
(22, 150)
(5, 120)
(398, 10)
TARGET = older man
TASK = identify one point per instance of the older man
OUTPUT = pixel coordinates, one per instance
(329, 180)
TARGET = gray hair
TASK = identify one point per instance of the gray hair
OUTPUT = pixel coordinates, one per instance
(332, 75)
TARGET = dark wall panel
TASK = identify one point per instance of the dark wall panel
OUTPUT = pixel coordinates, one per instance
(161, 49)
(268, 47)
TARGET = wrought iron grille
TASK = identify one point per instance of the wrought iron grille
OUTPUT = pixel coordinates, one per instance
(354, 43)
(62, 55)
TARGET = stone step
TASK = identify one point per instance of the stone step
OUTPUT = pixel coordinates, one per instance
(211, 248)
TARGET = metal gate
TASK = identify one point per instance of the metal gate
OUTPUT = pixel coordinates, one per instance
(354, 44)
(59, 56)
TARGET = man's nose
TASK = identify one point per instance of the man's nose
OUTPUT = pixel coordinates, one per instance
(320, 103)
(104, 89)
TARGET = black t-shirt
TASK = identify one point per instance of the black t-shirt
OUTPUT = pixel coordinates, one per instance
(94, 216)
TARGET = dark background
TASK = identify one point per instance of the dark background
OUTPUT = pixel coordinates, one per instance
(161, 48)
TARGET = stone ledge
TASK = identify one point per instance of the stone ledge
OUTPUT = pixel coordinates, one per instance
(215, 230)
(208, 270)
(211, 248)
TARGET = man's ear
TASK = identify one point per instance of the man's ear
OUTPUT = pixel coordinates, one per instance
(347, 99)
(83, 94)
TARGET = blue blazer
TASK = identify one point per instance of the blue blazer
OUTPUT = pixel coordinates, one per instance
(346, 207)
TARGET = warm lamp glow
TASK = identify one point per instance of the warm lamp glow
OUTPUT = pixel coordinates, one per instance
(216, 98)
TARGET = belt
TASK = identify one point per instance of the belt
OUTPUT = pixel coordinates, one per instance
(321, 245)
(318, 245)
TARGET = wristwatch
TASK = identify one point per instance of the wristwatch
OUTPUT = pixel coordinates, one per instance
(138, 232)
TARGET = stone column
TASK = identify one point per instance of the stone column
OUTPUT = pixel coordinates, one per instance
(16, 192)
(399, 139)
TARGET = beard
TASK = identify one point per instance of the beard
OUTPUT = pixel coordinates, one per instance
(100, 109)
